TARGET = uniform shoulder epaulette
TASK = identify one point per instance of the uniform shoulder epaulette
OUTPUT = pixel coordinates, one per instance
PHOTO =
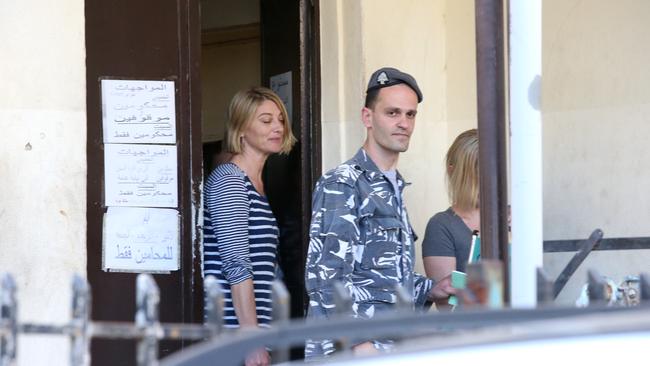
(345, 173)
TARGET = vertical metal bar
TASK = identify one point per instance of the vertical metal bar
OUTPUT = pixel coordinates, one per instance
(404, 299)
(281, 301)
(490, 69)
(644, 286)
(8, 320)
(596, 288)
(342, 298)
(343, 302)
(213, 306)
(81, 307)
(146, 319)
(544, 288)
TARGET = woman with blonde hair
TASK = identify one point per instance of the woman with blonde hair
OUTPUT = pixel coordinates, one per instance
(240, 232)
(448, 235)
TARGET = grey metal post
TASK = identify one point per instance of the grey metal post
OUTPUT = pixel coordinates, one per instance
(343, 302)
(281, 301)
(644, 285)
(79, 337)
(544, 288)
(146, 319)
(342, 298)
(8, 320)
(596, 287)
(213, 306)
(404, 299)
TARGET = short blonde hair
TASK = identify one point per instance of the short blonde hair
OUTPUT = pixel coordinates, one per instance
(462, 171)
(242, 111)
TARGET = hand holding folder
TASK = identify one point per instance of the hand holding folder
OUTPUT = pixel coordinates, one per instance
(459, 279)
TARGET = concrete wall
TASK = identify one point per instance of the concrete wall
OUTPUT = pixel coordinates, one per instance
(433, 41)
(43, 163)
(596, 103)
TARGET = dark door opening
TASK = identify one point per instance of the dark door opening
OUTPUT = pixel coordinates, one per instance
(247, 43)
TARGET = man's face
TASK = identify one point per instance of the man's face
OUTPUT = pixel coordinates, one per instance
(391, 121)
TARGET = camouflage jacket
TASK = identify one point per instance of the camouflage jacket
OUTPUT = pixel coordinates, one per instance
(359, 235)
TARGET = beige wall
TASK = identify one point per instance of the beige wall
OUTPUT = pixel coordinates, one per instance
(596, 103)
(342, 76)
(43, 163)
(433, 41)
(595, 98)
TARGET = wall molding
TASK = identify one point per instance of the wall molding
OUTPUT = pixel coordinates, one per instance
(237, 34)
(559, 246)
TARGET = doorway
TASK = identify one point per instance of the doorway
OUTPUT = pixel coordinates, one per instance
(247, 43)
(163, 40)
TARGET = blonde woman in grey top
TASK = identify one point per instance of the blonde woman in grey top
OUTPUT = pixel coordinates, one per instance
(449, 233)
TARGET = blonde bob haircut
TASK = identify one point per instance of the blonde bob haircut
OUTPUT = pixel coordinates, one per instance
(462, 171)
(242, 112)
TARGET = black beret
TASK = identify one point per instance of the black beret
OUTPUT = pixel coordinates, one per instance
(389, 76)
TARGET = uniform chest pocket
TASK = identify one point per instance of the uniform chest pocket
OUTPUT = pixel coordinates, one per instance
(382, 243)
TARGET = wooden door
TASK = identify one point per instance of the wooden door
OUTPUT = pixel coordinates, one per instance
(150, 40)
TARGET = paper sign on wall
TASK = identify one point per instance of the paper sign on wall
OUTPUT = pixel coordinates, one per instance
(281, 85)
(140, 239)
(138, 111)
(140, 175)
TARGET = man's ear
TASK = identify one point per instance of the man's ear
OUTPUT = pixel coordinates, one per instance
(366, 117)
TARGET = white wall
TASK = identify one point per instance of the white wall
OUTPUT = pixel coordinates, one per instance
(596, 103)
(43, 163)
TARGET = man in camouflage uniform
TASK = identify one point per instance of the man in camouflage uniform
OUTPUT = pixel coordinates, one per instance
(360, 234)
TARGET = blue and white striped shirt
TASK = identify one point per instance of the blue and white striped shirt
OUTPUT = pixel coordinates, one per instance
(240, 238)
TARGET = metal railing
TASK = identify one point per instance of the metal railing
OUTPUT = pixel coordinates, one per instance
(231, 347)
(406, 325)
(147, 330)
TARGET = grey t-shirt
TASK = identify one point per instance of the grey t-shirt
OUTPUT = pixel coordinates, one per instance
(448, 236)
(392, 177)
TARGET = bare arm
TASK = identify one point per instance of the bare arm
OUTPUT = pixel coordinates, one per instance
(243, 300)
(438, 267)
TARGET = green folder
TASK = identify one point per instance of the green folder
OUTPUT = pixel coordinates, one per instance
(459, 279)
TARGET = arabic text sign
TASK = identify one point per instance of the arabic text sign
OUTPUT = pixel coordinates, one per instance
(140, 239)
(140, 175)
(138, 111)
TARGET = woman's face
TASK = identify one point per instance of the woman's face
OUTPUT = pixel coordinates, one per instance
(264, 133)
